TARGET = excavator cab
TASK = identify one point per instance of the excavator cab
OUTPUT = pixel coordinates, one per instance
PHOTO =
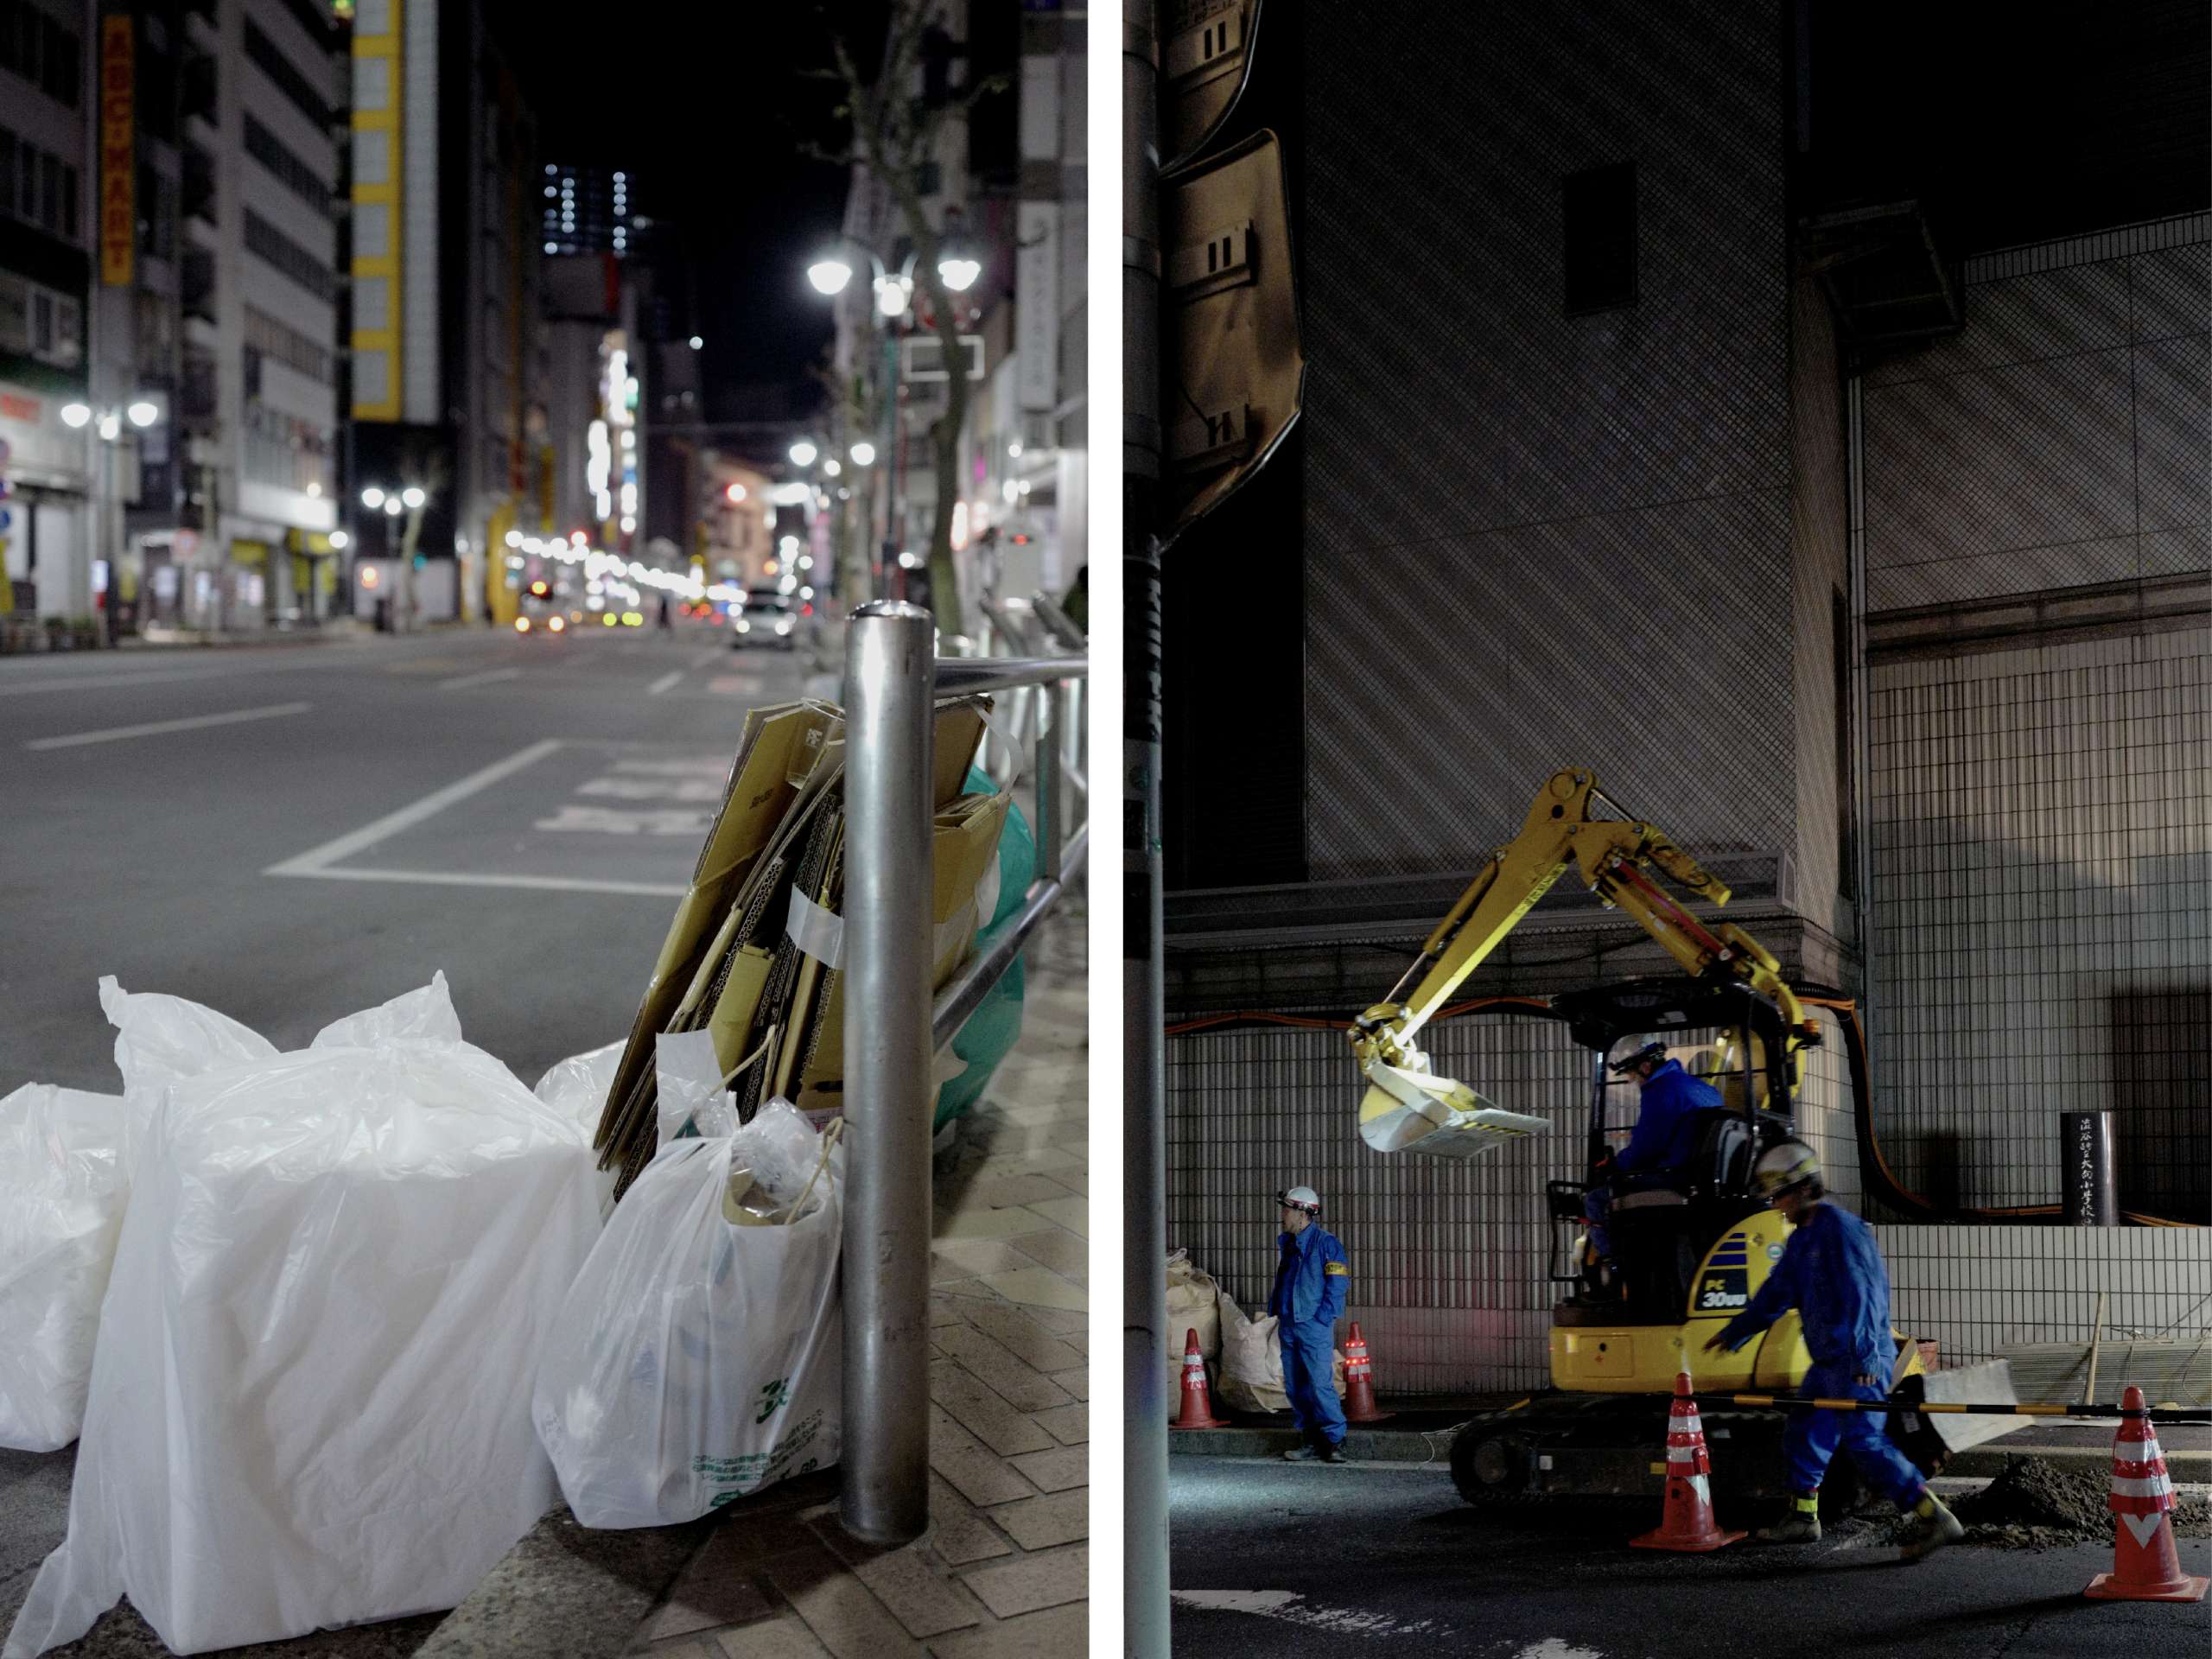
(1666, 1229)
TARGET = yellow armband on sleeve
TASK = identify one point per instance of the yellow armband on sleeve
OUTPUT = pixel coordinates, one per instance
(1336, 1267)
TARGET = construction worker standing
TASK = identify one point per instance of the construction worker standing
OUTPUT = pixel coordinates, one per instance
(1311, 1279)
(1831, 1272)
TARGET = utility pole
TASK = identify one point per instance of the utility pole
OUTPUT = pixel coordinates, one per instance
(1144, 1155)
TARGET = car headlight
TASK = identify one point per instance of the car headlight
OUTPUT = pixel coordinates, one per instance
(784, 624)
(742, 626)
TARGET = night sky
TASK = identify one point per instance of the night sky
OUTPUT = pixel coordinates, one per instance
(704, 105)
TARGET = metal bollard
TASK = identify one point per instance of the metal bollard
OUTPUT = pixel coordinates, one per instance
(890, 699)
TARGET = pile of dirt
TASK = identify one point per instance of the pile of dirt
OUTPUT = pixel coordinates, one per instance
(2034, 1504)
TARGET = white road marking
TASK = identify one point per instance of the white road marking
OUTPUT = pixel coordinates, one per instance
(664, 683)
(464, 879)
(484, 678)
(328, 657)
(317, 860)
(656, 789)
(675, 768)
(154, 729)
(1293, 1608)
(615, 821)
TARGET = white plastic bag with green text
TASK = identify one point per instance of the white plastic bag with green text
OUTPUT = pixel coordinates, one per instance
(696, 1358)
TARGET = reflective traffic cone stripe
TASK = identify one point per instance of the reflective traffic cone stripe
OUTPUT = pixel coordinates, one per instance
(1359, 1381)
(2145, 1567)
(1686, 1520)
(1197, 1403)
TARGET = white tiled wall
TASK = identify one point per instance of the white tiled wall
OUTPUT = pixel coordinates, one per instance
(2041, 830)
(1978, 1289)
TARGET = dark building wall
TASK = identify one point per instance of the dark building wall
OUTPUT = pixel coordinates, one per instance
(1535, 539)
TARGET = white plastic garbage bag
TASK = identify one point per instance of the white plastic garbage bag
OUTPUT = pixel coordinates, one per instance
(310, 1400)
(62, 1189)
(160, 1039)
(696, 1359)
(578, 1085)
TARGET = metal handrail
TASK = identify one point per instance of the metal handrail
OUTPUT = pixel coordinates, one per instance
(893, 681)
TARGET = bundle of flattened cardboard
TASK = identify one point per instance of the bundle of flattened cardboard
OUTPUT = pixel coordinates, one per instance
(752, 956)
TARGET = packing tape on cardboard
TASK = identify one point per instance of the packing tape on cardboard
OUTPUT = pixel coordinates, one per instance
(821, 933)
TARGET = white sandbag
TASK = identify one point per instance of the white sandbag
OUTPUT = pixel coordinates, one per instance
(1192, 1305)
(696, 1358)
(310, 1400)
(62, 1189)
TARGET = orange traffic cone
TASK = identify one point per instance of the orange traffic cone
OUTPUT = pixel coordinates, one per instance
(1359, 1381)
(1197, 1404)
(1685, 1522)
(2144, 1565)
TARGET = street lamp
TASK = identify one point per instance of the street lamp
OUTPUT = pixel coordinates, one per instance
(372, 498)
(802, 454)
(864, 454)
(142, 412)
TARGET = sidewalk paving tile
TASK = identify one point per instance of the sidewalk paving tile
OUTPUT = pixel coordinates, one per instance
(1041, 1522)
(983, 1412)
(1070, 1425)
(1062, 1631)
(1038, 1287)
(842, 1611)
(1020, 1386)
(784, 1636)
(1055, 1471)
(957, 1532)
(1021, 1335)
(976, 1472)
(1066, 1253)
(1034, 1581)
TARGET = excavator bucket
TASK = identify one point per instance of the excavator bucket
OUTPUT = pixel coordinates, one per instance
(1408, 1109)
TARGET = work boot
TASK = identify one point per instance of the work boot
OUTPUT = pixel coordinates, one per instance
(1334, 1453)
(1798, 1527)
(1301, 1455)
(1933, 1526)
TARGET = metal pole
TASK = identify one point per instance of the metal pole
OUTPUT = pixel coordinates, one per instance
(1144, 1155)
(891, 457)
(890, 692)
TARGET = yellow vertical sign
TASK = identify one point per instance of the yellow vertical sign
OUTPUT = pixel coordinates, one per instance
(119, 151)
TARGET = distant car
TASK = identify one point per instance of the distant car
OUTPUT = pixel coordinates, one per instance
(764, 620)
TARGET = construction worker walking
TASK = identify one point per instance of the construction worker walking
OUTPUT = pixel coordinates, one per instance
(1831, 1272)
(1311, 1281)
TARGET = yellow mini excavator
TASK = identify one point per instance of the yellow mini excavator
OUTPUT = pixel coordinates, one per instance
(1692, 1253)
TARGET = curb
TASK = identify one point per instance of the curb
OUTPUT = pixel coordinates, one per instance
(1409, 1446)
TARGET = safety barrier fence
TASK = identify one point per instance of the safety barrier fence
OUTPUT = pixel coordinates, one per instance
(893, 1029)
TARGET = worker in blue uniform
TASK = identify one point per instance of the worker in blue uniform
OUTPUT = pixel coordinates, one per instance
(1831, 1272)
(1311, 1279)
(1661, 1146)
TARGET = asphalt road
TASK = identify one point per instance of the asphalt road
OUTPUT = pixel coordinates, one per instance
(1279, 1559)
(520, 813)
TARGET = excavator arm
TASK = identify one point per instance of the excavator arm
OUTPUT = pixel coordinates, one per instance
(1407, 1106)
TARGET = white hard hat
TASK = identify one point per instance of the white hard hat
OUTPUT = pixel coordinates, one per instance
(1300, 1198)
(1784, 1165)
